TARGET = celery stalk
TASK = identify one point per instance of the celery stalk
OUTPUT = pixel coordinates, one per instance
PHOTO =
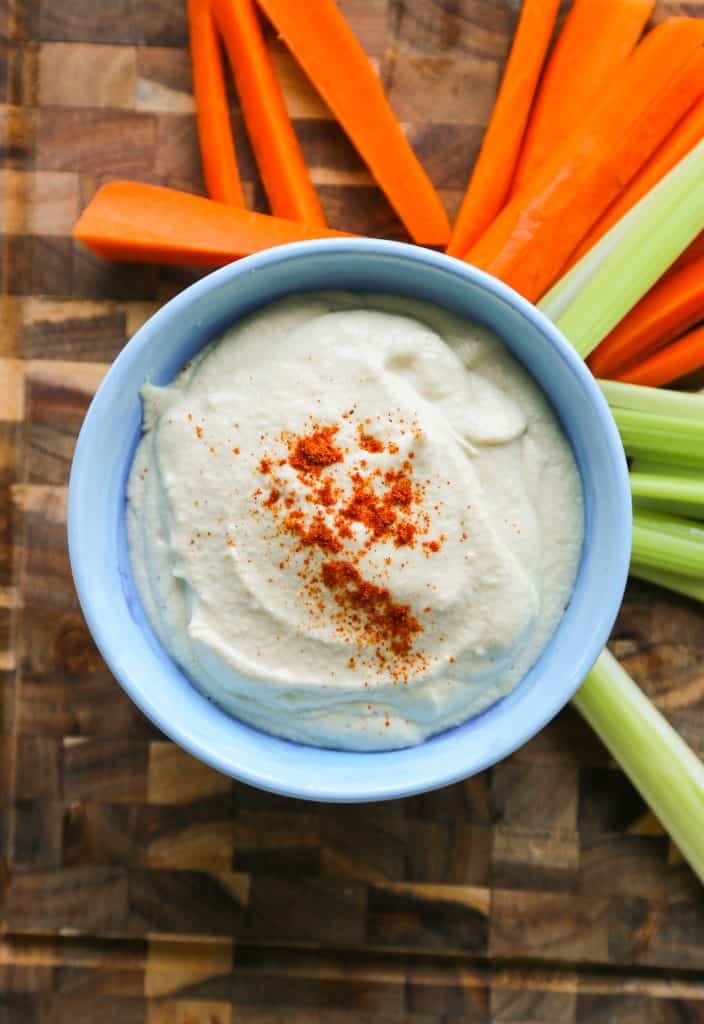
(669, 543)
(669, 507)
(611, 278)
(690, 586)
(658, 401)
(662, 427)
(674, 439)
(678, 490)
(669, 489)
(665, 771)
(665, 469)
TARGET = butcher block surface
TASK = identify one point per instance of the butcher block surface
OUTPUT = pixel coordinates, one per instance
(139, 885)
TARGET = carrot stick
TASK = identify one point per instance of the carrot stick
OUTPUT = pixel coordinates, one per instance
(217, 148)
(671, 307)
(685, 136)
(493, 171)
(597, 37)
(672, 362)
(126, 220)
(535, 234)
(323, 44)
(282, 167)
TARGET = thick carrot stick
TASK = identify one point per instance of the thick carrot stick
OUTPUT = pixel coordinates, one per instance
(597, 37)
(217, 150)
(684, 137)
(323, 44)
(675, 304)
(282, 167)
(536, 233)
(669, 364)
(127, 220)
(493, 171)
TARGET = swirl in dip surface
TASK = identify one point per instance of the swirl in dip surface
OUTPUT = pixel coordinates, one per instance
(354, 520)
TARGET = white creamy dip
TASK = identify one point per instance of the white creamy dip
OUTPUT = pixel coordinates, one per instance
(354, 520)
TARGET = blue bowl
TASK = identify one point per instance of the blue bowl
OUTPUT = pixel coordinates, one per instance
(98, 543)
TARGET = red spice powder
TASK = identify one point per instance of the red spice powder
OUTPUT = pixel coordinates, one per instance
(326, 494)
(369, 443)
(404, 535)
(321, 511)
(434, 545)
(315, 451)
(318, 534)
(401, 491)
(368, 508)
(387, 622)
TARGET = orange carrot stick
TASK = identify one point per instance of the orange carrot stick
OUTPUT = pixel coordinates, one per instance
(671, 307)
(127, 220)
(597, 37)
(669, 364)
(535, 234)
(493, 171)
(323, 44)
(217, 148)
(685, 136)
(282, 167)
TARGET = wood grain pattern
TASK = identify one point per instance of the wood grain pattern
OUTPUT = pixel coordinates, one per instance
(68, 979)
(137, 885)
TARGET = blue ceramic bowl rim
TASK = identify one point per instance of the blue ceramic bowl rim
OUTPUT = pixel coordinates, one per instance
(382, 782)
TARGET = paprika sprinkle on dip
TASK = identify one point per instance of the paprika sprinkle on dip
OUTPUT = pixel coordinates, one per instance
(354, 521)
(385, 505)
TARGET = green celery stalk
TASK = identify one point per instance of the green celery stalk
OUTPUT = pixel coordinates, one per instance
(669, 489)
(668, 775)
(675, 439)
(658, 401)
(669, 543)
(664, 469)
(678, 490)
(656, 426)
(669, 507)
(611, 278)
(690, 586)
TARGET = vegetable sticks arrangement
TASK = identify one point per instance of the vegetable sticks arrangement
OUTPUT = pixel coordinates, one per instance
(491, 178)
(537, 231)
(323, 44)
(587, 197)
(671, 307)
(604, 286)
(675, 147)
(597, 37)
(283, 170)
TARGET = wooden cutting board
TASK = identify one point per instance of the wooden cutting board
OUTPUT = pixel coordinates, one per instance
(139, 885)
